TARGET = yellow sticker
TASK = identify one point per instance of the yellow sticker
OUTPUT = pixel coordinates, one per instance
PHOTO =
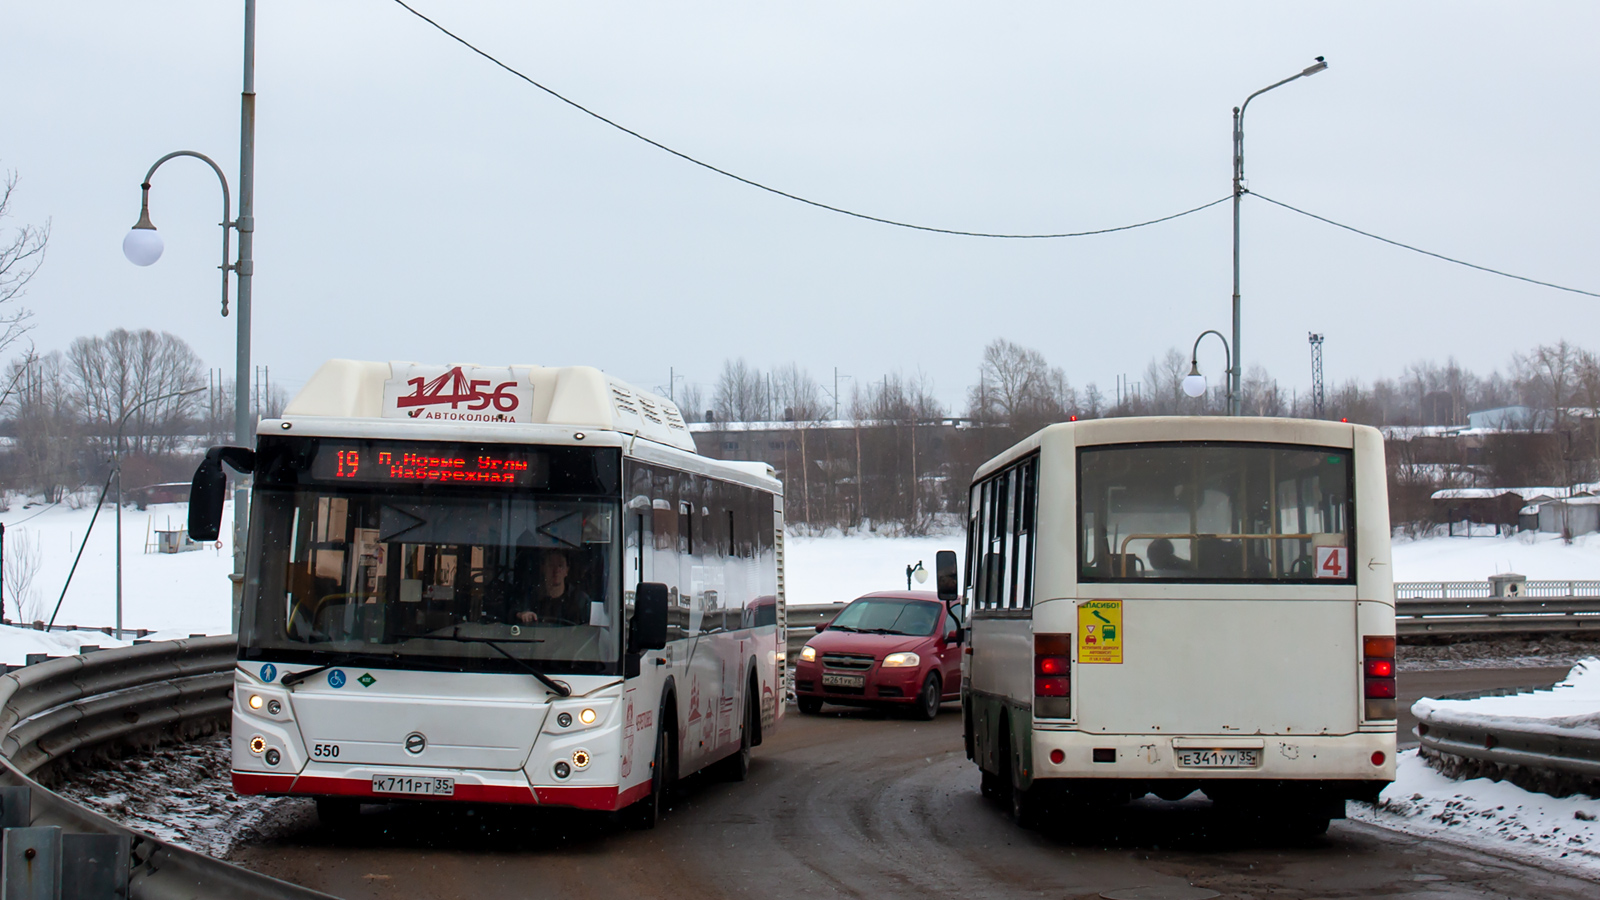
(1100, 631)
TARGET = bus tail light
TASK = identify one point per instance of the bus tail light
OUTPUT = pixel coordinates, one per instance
(1052, 676)
(1378, 677)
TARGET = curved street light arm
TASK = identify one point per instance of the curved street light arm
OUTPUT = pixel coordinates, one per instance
(227, 210)
(142, 404)
(1194, 359)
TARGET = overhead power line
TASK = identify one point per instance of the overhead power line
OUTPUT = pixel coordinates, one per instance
(772, 190)
(1447, 259)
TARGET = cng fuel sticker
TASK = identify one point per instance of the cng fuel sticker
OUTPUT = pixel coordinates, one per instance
(1100, 631)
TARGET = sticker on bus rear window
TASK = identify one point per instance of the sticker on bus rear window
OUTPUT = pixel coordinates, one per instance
(1333, 562)
(1100, 631)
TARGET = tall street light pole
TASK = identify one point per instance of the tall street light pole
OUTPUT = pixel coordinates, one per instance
(143, 247)
(1235, 376)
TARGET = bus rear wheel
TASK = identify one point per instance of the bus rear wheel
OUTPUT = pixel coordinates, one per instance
(737, 766)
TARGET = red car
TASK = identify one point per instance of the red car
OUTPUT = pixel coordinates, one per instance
(897, 649)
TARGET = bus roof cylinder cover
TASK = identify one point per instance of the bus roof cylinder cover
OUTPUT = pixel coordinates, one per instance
(1052, 676)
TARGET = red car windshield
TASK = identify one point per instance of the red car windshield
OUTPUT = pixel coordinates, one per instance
(876, 615)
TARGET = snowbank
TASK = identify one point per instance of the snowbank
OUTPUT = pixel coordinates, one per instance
(1572, 708)
(1494, 815)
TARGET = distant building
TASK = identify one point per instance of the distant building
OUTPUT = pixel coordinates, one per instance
(1504, 418)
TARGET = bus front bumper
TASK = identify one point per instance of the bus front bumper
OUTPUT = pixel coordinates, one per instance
(468, 787)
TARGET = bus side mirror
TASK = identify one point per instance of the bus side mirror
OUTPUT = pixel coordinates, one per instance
(649, 628)
(945, 568)
(210, 488)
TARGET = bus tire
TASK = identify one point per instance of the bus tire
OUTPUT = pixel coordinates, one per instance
(737, 766)
(927, 706)
(646, 813)
(338, 812)
(809, 705)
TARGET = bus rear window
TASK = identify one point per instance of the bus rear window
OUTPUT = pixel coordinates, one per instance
(1215, 512)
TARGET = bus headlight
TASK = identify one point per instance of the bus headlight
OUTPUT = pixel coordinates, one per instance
(587, 717)
(580, 758)
(274, 707)
(901, 660)
(258, 744)
(255, 701)
(808, 653)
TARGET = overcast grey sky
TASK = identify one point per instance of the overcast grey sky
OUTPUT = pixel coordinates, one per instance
(415, 202)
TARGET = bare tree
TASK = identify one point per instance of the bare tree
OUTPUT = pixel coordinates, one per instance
(23, 559)
(20, 258)
(691, 402)
(113, 375)
(741, 394)
(797, 396)
(45, 420)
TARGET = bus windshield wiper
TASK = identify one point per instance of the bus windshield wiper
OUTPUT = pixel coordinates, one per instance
(523, 664)
(294, 678)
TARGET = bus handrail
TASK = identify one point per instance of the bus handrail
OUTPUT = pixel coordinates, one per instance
(1195, 535)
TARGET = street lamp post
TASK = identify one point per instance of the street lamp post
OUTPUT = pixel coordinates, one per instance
(116, 462)
(917, 572)
(1194, 384)
(1235, 387)
(143, 247)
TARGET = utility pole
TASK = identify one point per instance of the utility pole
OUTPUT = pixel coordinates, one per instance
(1316, 375)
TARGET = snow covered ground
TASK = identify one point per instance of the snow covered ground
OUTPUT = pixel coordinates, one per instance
(1494, 815)
(1497, 814)
(173, 595)
(1536, 555)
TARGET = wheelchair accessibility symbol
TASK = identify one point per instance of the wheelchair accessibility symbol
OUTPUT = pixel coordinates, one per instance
(336, 678)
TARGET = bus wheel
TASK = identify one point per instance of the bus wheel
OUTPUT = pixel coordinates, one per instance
(737, 766)
(644, 815)
(338, 812)
(927, 706)
(810, 705)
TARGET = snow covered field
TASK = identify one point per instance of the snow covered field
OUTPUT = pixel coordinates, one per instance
(173, 595)
(1538, 556)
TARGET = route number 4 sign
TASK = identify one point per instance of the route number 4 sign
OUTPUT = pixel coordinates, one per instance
(1333, 562)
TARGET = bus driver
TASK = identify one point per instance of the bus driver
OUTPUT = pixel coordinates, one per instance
(556, 600)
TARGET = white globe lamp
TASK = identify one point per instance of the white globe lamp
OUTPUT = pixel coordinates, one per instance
(1194, 384)
(143, 245)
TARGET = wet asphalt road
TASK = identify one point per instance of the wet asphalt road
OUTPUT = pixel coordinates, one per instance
(856, 804)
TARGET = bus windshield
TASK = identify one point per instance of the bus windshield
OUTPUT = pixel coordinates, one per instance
(417, 575)
(1215, 512)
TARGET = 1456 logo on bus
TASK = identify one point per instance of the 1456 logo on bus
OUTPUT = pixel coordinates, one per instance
(457, 394)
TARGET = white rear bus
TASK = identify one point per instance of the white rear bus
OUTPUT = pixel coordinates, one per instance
(499, 585)
(1167, 605)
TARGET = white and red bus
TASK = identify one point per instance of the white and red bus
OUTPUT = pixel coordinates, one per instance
(497, 585)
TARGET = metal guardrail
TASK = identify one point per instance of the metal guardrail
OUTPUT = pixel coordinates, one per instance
(52, 709)
(1474, 607)
(1532, 755)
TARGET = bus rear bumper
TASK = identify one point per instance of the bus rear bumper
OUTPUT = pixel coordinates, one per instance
(476, 787)
(1355, 763)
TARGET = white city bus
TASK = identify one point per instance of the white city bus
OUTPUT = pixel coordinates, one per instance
(1167, 605)
(503, 585)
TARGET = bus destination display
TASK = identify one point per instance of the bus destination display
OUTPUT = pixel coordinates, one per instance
(393, 462)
